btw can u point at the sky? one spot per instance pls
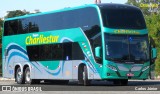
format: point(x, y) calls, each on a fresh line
point(45, 5)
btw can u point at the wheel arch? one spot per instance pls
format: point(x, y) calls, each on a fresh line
point(24, 68)
point(15, 69)
point(80, 67)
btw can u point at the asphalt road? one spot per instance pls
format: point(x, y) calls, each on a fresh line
point(96, 86)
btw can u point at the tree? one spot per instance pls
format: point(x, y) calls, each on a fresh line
point(16, 13)
point(153, 25)
point(1, 24)
point(147, 6)
point(152, 19)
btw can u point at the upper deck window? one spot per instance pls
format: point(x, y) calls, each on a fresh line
point(85, 18)
point(123, 17)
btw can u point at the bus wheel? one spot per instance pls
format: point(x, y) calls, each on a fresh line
point(28, 79)
point(19, 76)
point(86, 82)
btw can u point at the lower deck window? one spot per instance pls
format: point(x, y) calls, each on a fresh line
point(59, 51)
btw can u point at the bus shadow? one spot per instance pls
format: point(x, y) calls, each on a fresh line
point(105, 83)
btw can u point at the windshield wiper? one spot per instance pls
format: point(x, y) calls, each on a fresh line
point(114, 59)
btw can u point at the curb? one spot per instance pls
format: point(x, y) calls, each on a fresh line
point(6, 79)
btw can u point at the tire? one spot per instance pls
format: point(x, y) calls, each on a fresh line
point(86, 82)
point(80, 76)
point(19, 76)
point(28, 80)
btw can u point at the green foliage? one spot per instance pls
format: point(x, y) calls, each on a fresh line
point(1, 24)
point(147, 6)
point(16, 13)
point(153, 25)
point(133, 2)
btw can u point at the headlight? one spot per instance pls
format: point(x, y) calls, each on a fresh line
point(112, 67)
point(145, 68)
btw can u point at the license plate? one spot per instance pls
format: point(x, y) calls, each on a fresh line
point(130, 74)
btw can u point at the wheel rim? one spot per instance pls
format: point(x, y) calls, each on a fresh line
point(19, 75)
point(83, 76)
point(28, 76)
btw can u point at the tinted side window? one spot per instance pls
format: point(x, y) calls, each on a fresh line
point(24, 26)
point(89, 22)
point(33, 53)
point(28, 25)
point(77, 53)
point(11, 27)
point(57, 52)
point(14, 26)
point(60, 51)
point(7, 29)
point(85, 18)
point(45, 52)
point(67, 51)
point(48, 22)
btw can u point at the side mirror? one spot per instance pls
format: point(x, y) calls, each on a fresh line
point(98, 52)
point(154, 53)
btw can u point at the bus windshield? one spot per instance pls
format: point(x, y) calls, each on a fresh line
point(123, 18)
point(132, 48)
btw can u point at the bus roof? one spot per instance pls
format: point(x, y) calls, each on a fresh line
point(104, 5)
point(114, 6)
point(54, 11)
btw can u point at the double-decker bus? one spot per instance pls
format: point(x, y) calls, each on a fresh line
point(90, 42)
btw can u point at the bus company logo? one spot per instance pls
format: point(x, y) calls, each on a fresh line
point(149, 3)
point(126, 32)
point(6, 88)
point(41, 39)
point(24, 88)
point(154, 5)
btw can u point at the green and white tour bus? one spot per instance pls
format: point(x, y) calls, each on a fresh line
point(90, 42)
